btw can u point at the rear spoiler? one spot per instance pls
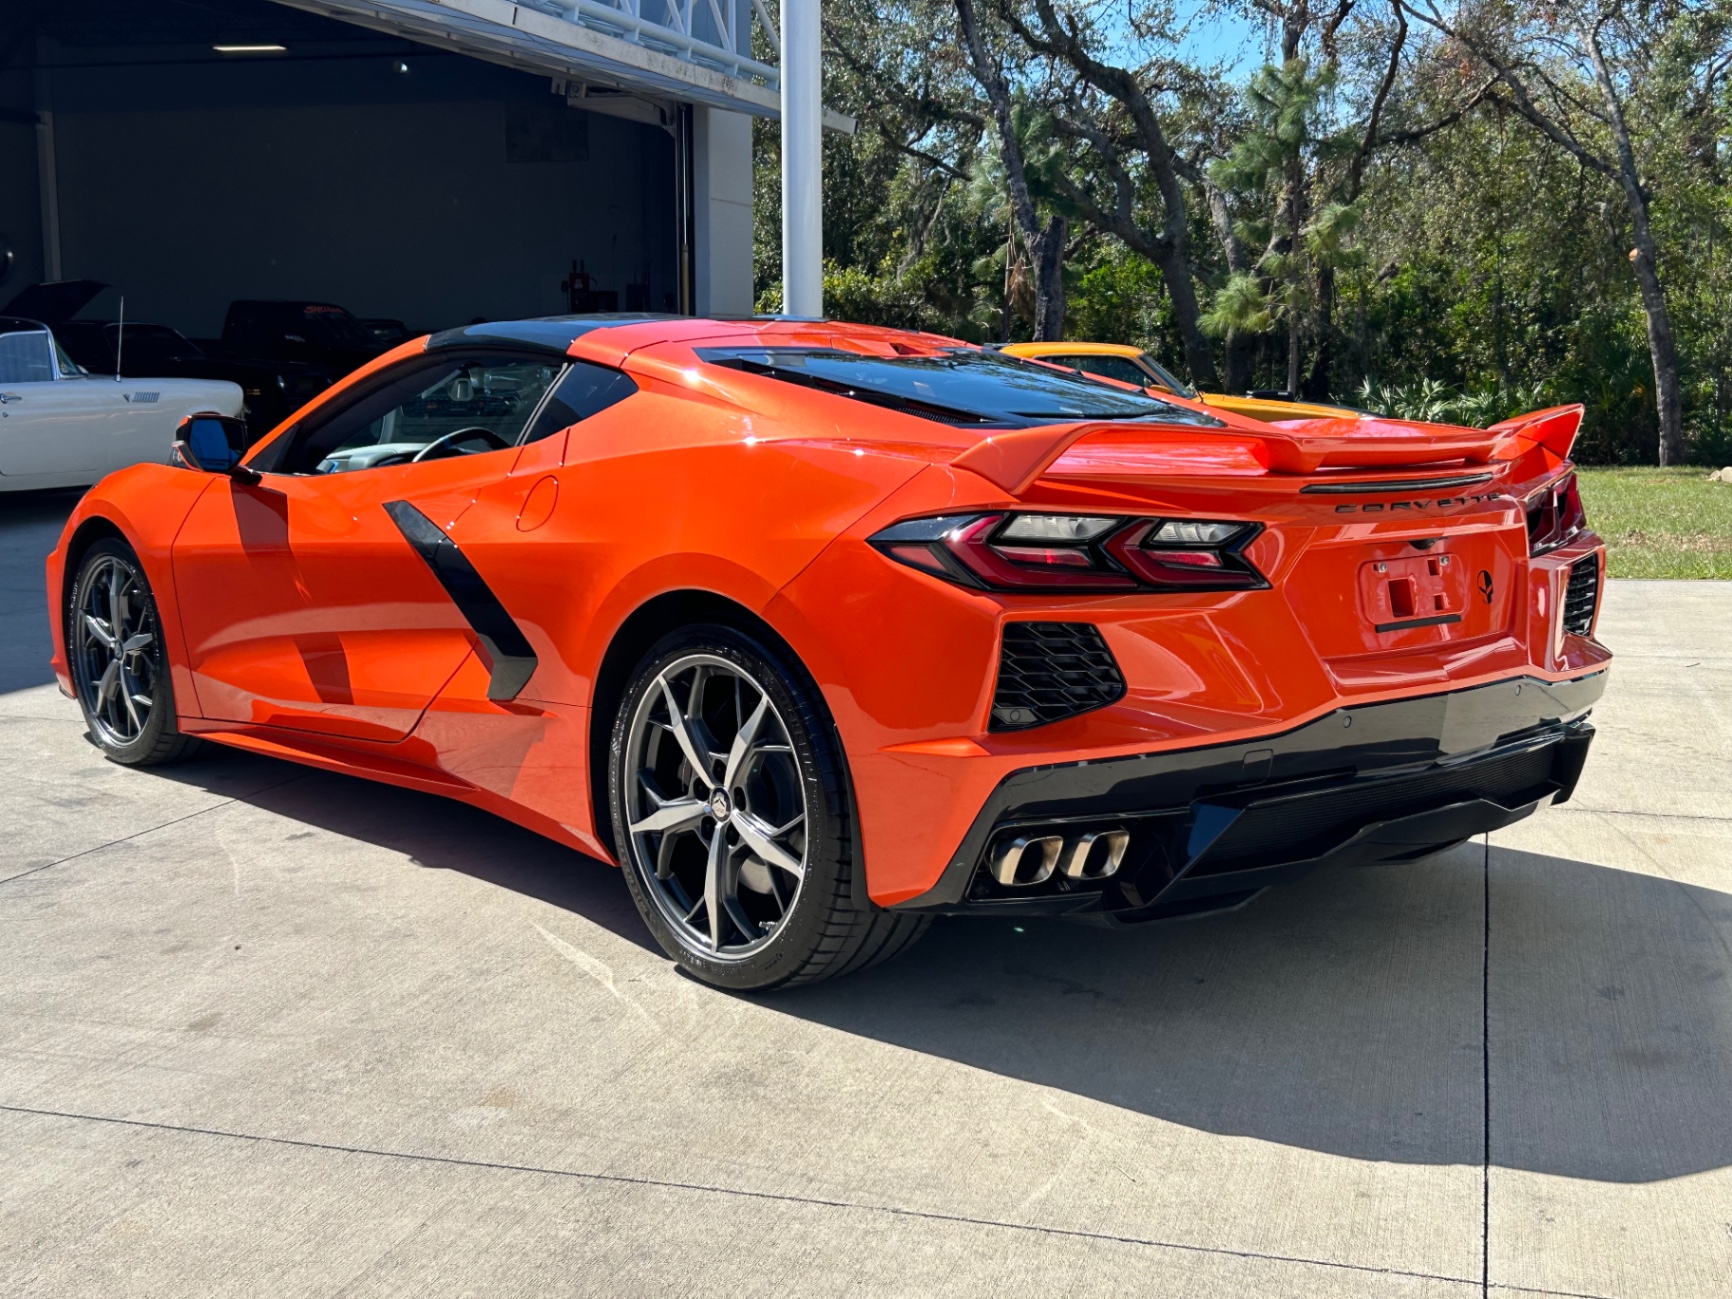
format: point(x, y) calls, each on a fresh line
point(1554, 428)
point(1015, 459)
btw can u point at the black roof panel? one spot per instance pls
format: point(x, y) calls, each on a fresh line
point(548, 333)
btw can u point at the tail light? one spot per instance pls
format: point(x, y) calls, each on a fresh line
point(1077, 553)
point(1555, 515)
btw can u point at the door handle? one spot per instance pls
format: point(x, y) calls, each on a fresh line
point(9, 396)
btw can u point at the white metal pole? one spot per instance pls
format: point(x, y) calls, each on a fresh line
point(802, 158)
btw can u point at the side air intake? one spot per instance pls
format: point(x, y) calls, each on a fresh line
point(1582, 596)
point(1052, 670)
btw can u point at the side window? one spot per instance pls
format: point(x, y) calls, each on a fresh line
point(26, 357)
point(458, 404)
point(585, 390)
point(1121, 368)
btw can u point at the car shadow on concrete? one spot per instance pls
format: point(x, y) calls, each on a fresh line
point(1345, 1014)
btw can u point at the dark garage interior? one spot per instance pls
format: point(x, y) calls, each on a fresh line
point(396, 180)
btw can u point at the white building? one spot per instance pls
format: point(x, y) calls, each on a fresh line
point(431, 161)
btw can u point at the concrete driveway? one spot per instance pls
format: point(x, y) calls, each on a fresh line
point(266, 1031)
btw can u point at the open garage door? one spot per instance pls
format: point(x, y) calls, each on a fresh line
point(193, 155)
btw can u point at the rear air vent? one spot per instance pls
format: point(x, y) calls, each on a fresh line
point(1052, 670)
point(1582, 596)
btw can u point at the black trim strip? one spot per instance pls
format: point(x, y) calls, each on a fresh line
point(1439, 621)
point(512, 657)
point(1368, 488)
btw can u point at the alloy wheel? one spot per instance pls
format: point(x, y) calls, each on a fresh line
point(113, 639)
point(715, 806)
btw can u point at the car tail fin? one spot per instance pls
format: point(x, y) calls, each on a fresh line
point(1014, 458)
point(1554, 429)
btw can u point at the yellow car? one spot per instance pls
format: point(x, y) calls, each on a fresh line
point(1133, 365)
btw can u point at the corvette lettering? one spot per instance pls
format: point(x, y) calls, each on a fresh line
point(1441, 503)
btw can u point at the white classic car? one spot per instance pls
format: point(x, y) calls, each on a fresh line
point(61, 427)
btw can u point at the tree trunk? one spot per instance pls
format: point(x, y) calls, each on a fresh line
point(1293, 356)
point(1296, 220)
point(1241, 349)
point(1241, 361)
point(1662, 347)
point(1045, 246)
point(1175, 265)
point(1049, 281)
point(1317, 386)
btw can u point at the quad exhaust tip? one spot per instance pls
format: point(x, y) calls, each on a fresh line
point(1028, 860)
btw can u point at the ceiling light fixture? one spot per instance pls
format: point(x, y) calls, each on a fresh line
point(251, 49)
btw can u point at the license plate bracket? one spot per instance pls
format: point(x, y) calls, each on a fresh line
point(1417, 591)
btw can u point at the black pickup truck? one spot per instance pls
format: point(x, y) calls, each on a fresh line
point(315, 333)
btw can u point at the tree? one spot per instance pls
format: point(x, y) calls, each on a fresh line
point(1045, 240)
point(1282, 157)
point(1109, 110)
point(1577, 72)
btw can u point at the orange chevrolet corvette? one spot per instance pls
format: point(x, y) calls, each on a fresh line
point(819, 630)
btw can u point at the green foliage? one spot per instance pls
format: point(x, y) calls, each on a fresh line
point(1119, 298)
point(1430, 401)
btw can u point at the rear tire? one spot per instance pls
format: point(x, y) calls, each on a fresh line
point(119, 665)
point(759, 828)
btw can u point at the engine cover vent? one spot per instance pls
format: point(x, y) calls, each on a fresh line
point(1051, 670)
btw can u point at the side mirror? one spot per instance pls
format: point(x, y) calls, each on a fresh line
point(214, 444)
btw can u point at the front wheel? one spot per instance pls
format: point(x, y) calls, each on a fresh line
point(733, 817)
point(119, 665)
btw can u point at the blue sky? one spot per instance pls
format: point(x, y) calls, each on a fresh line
point(1243, 44)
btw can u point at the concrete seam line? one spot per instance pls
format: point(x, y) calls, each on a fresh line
point(1485, 1070)
point(1658, 816)
point(139, 834)
point(781, 1197)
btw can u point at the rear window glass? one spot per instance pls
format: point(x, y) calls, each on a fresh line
point(26, 357)
point(958, 386)
point(1121, 368)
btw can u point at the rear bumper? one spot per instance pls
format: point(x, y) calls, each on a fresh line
point(1210, 826)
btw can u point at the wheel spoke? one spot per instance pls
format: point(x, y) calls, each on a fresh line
point(682, 734)
point(743, 740)
point(713, 869)
point(137, 642)
point(675, 814)
point(105, 686)
point(665, 857)
point(132, 710)
point(114, 611)
point(761, 839)
point(99, 629)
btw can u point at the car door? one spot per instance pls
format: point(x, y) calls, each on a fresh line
point(308, 599)
point(57, 426)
